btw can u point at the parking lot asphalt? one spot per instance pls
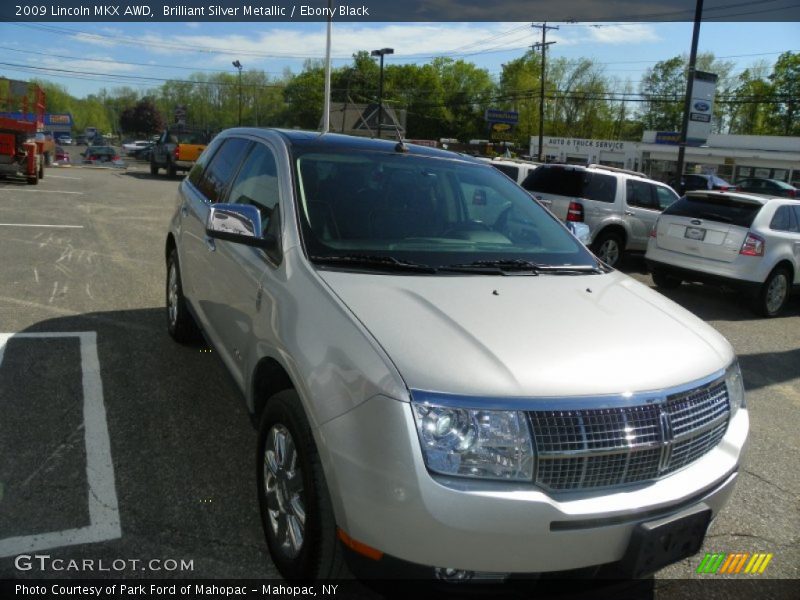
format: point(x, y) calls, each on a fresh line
point(145, 447)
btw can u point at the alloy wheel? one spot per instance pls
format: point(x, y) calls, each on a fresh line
point(283, 488)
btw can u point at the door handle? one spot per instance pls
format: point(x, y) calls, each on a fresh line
point(210, 244)
point(629, 213)
point(185, 209)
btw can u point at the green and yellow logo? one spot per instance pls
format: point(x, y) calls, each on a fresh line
point(721, 563)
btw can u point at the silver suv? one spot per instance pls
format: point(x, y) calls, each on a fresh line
point(408, 329)
point(619, 206)
point(745, 241)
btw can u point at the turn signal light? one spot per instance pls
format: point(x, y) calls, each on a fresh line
point(753, 245)
point(359, 547)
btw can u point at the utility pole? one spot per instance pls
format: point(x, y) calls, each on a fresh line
point(238, 65)
point(687, 103)
point(543, 45)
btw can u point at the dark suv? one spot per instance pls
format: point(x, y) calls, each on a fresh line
point(702, 182)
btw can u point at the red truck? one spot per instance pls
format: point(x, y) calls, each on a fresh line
point(24, 147)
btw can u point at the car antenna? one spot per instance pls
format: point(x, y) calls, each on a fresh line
point(401, 145)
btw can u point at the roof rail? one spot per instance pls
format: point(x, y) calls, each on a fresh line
point(517, 160)
point(617, 170)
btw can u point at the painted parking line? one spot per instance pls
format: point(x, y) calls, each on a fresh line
point(50, 176)
point(11, 189)
point(40, 225)
point(104, 521)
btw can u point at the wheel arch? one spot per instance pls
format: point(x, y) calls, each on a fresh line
point(784, 263)
point(269, 378)
point(617, 228)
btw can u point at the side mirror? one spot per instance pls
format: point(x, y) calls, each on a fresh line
point(241, 224)
point(580, 231)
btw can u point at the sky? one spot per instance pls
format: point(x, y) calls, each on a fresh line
point(85, 57)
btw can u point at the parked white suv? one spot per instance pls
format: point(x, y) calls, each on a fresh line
point(515, 168)
point(619, 206)
point(745, 241)
point(409, 330)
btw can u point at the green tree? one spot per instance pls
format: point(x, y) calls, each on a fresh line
point(785, 78)
point(142, 119)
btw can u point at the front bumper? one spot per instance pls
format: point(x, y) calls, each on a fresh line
point(384, 497)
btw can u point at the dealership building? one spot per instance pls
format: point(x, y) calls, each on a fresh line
point(732, 157)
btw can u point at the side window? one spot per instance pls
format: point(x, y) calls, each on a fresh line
point(512, 172)
point(639, 193)
point(665, 197)
point(602, 188)
point(784, 220)
point(257, 183)
point(199, 166)
point(222, 168)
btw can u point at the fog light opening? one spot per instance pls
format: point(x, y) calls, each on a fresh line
point(448, 574)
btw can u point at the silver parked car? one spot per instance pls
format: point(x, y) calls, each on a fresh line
point(408, 328)
point(619, 206)
point(746, 241)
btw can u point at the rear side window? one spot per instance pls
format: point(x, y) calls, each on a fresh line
point(784, 220)
point(222, 168)
point(722, 209)
point(572, 182)
point(512, 172)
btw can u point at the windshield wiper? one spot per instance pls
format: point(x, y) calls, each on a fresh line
point(388, 263)
point(505, 266)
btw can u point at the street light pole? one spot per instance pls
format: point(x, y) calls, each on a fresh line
point(238, 65)
point(382, 52)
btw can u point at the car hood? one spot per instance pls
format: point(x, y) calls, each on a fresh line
point(524, 336)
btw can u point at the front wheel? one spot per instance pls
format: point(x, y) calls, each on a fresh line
point(180, 323)
point(609, 247)
point(153, 167)
point(171, 170)
point(774, 293)
point(296, 509)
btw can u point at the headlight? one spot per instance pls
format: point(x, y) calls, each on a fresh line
point(487, 444)
point(735, 385)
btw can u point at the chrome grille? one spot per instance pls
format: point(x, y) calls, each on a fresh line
point(593, 448)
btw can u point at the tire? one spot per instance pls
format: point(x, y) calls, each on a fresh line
point(293, 495)
point(180, 322)
point(41, 169)
point(171, 170)
point(666, 282)
point(609, 248)
point(153, 167)
point(772, 296)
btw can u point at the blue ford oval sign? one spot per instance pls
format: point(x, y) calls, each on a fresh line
point(702, 106)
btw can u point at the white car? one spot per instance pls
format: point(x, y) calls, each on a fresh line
point(409, 330)
point(745, 241)
point(515, 168)
point(135, 146)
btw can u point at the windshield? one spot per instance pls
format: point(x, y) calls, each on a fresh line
point(424, 210)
